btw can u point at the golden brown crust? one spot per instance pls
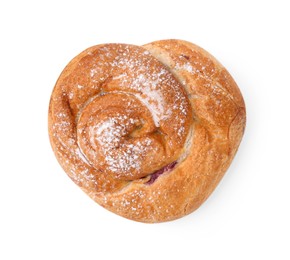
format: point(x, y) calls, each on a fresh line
point(119, 113)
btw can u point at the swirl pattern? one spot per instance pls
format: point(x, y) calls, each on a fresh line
point(121, 116)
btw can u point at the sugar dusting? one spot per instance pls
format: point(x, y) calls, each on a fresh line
point(146, 86)
point(108, 136)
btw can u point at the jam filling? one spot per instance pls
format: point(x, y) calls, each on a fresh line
point(154, 176)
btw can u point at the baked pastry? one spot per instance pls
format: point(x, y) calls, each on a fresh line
point(146, 131)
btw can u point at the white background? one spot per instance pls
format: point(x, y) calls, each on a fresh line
point(43, 215)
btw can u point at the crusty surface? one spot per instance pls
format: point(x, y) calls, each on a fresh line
point(119, 113)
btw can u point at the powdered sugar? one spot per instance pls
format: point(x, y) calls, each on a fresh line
point(108, 136)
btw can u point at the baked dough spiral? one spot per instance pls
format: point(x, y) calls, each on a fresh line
point(146, 131)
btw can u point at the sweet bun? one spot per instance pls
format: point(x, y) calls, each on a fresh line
point(146, 131)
